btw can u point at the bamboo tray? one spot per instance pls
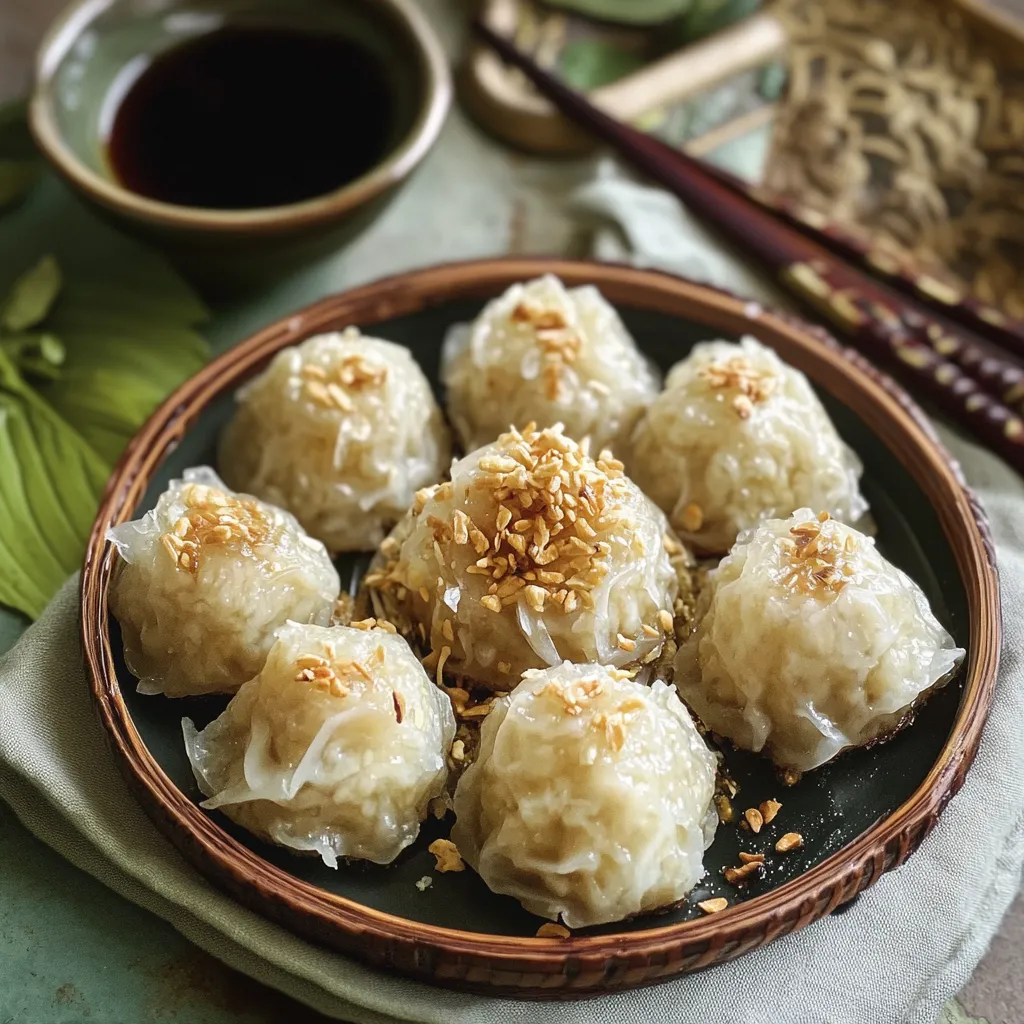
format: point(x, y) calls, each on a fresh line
point(861, 815)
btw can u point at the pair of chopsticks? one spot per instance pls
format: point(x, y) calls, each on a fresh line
point(836, 274)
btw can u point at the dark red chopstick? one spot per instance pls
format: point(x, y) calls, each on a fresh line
point(1002, 378)
point(885, 327)
point(900, 273)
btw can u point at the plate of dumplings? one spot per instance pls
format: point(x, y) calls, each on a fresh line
point(541, 628)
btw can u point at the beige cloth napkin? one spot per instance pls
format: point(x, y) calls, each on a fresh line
point(894, 957)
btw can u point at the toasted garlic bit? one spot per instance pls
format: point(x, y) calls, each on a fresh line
point(769, 809)
point(754, 819)
point(818, 560)
point(445, 654)
point(751, 858)
point(213, 517)
point(725, 810)
point(713, 906)
point(790, 841)
point(343, 610)
point(368, 624)
point(459, 698)
point(736, 374)
point(447, 856)
point(552, 501)
point(692, 517)
point(558, 342)
point(477, 711)
point(332, 390)
point(613, 724)
point(737, 876)
point(331, 676)
point(743, 406)
point(553, 931)
point(572, 695)
point(575, 694)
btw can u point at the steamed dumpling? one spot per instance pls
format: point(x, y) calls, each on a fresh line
point(205, 579)
point(342, 431)
point(543, 354)
point(738, 436)
point(532, 554)
point(338, 746)
point(591, 797)
point(810, 642)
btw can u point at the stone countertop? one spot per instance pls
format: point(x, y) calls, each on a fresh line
point(71, 950)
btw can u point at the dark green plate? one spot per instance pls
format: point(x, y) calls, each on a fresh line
point(925, 526)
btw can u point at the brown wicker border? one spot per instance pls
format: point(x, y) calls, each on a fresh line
point(580, 966)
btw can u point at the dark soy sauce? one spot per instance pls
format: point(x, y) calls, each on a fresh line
point(253, 117)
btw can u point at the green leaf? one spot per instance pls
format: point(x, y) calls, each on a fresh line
point(32, 296)
point(635, 12)
point(39, 355)
point(126, 348)
point(52, 481)
point(16, 180)
point(51, 349)
point(106, 355)
point(590, 63)
point(954, 1013)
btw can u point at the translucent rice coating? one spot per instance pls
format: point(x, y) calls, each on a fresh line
point(543, 354)
point(810, 642)
point(590, 798)
point(336, 747)
point(205, 579)
point(342, 431)
point(533, 554)
point(738, 436)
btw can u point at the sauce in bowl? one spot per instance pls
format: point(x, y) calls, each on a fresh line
point(251, 117)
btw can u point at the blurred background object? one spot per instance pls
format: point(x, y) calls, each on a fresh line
point(906, 120)
point(22, 23)
point(694, 72)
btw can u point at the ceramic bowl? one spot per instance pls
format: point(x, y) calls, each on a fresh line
point(95, 49)
point(861, 815)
